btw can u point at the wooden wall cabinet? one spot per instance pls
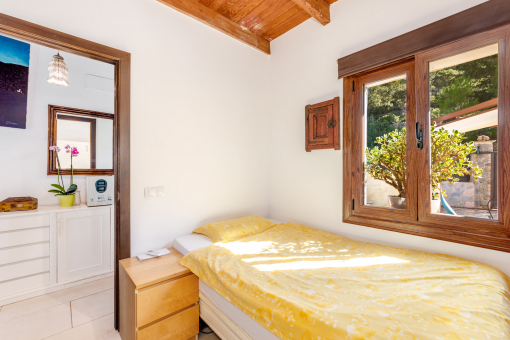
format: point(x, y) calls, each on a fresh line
point(322, 125)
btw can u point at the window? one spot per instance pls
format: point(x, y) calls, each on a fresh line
point(426, 143)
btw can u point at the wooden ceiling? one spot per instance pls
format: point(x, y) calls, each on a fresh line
point(254, 22)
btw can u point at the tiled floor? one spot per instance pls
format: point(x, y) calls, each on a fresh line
point(83, 312)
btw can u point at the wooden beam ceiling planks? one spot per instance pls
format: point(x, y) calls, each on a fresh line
point(318, 9)
point(254, 22)
point(212, 18)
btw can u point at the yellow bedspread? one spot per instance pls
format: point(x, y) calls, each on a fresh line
point(302, 283)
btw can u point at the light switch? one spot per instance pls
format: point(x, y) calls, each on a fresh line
point(160, 191)
point(155, 192)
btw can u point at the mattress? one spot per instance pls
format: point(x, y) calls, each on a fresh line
point(256, 331)
point(185, 244)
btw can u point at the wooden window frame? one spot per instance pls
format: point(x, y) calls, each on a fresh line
point(357, 146)
point(476, 232)
point(78, 115)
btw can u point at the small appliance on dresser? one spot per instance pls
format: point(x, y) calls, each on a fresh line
point(100, 190)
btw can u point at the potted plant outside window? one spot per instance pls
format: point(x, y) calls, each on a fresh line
point(449, 156)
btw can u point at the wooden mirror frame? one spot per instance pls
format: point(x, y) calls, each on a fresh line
point(53, 111)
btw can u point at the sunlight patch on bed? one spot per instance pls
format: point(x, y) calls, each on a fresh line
point(359, 262)
point(249, 248)
point(257, 259)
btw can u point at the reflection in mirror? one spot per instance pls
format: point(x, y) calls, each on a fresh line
point(90, 132)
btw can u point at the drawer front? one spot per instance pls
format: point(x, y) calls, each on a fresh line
point(24, 253)
point(181, 326)
point(24, 222)
point(21, 237)
point(168, 298)
point(24, 284)
point(17, 270)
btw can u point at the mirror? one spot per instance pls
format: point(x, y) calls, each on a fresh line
point(90, 132)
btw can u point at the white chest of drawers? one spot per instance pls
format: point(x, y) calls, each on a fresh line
point(46, 249)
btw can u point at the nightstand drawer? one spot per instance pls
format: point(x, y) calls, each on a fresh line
point(156, 303)
point(181, 326)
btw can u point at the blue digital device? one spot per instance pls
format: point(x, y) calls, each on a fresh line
point(101, 186)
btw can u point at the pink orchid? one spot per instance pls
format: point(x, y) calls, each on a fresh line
point(68, 148)
point(74, 152)
point(54, 148)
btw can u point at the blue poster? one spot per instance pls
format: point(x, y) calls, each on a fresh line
point(14, 64)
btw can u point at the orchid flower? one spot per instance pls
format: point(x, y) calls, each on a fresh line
point(73, 187)
point(74, 152)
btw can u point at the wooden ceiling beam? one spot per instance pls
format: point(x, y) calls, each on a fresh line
point(318, 9)
point(215, 20)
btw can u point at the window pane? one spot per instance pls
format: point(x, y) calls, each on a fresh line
point(464, 133)
point(385, 143)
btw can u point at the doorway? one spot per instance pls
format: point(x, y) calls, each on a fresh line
point(32, 33)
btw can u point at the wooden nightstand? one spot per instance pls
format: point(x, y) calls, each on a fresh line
point(158, 299)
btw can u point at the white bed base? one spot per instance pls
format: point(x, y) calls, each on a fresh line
point(219, 322)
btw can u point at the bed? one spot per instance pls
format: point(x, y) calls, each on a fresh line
point(295, 282)
point(227, 321)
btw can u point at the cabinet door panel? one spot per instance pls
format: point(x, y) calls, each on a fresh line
point(84, 244)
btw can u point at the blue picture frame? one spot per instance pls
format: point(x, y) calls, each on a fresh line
point(14, 68)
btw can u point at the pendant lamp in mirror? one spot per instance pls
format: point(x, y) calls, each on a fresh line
point(58, 71)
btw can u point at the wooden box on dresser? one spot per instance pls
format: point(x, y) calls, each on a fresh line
point(158, 299)
point(52, 248)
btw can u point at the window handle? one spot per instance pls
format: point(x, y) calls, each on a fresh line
point(419, 136)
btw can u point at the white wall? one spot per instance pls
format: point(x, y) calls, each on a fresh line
point(199, 122)
point(307, 187)
point(24, 152)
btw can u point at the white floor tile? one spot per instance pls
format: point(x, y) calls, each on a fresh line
point(92, 307)
point(100, 329)
point(38, 325)
point(9, 312)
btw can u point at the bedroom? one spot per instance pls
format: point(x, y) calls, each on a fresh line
point(220, 125)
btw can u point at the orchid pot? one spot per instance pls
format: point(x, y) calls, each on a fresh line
point(66, 200)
